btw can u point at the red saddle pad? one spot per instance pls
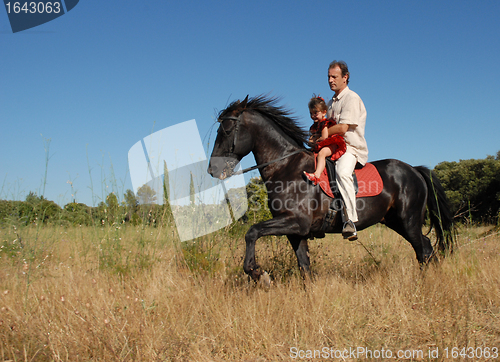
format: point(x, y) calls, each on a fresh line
point(369, 182)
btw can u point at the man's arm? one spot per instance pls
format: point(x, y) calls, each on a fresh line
point(338, 129)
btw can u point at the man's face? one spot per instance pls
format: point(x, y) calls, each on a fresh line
point(336, 81)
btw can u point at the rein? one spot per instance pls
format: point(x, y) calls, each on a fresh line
point(268, 163)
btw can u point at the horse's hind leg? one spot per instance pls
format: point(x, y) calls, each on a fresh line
point(411, 230)
point(421, 244)
point(301, 248)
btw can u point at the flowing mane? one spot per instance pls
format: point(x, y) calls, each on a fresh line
point(268, 108)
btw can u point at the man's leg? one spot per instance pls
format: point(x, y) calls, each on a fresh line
point(345, 167)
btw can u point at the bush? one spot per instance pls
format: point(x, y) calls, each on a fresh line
point(258, 209)
point(77, 214)
point(472, 187)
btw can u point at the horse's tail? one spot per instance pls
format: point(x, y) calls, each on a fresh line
point(440, 215)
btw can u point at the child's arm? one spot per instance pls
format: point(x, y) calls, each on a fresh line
point(324, 134)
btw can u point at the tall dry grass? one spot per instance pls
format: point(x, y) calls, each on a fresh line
point(136, 294)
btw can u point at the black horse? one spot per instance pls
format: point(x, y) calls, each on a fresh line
point(260, 126)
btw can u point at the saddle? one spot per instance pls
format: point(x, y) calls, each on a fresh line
point(366, 178)
point(367, 183)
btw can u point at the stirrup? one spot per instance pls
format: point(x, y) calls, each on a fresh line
point(349, 231)
point(311, 177)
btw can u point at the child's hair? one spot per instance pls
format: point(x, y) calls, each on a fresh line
point(317, 104)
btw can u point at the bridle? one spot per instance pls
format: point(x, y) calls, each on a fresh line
point(234, 132)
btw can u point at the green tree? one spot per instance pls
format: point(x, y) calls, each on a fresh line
point(9, 211)
point(33, 199)
point(132, 208)
point(168, 216)
point(258, 209)
point(131, 202)
point(100, 213)
point(237, 201)
point(166, 183)
point(192, 193)
point(38, 209)
point(77, 214)
point(146, 195)
point(112, 201)
point(113, 208)
point(473, 187)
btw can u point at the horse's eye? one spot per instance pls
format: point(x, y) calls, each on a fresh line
point(226, 125)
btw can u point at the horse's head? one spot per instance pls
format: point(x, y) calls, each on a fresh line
point(253, 125)
point(233, 141)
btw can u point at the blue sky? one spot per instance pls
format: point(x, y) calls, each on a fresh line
point(92, 83)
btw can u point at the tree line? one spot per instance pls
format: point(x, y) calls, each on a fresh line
point(472, 187)
point(134, 209)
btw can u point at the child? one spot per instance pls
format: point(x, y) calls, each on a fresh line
point(333, 146)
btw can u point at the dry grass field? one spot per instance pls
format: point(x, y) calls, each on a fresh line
point(136, 294)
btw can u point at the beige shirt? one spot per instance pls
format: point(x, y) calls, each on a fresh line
point(348, 108)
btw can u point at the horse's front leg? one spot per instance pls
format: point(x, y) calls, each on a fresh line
point(301, 248)
point(280, 225)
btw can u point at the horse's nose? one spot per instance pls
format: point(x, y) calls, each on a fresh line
point(211, 169)
point(216, 166)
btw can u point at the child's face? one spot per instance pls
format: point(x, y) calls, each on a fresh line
point(317, 115)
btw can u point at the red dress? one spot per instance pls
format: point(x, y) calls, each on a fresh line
point(335, 142)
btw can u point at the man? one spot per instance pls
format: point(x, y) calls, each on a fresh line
point(348, 110)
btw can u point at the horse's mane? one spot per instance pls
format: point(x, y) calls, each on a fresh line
point(268, 108)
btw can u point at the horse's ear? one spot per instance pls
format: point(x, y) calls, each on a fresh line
point(244, 103)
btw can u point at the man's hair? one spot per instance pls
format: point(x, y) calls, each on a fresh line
point(343, 68)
